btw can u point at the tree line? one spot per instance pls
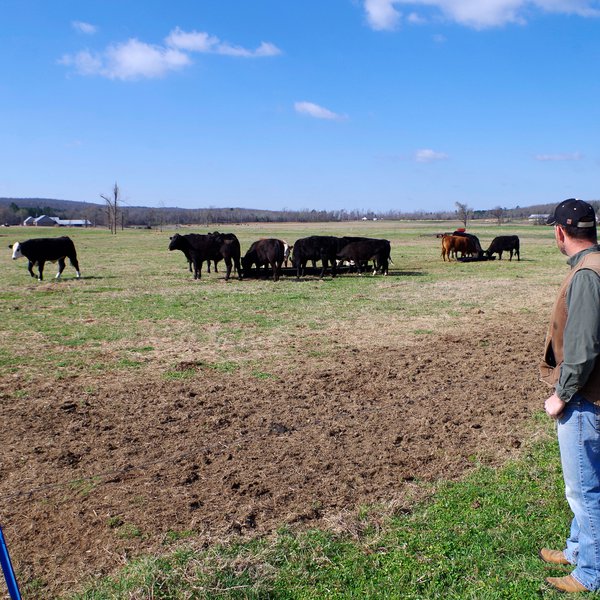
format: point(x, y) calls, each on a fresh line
point(116, 215)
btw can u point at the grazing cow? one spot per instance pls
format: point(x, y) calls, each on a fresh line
point(473, 238)
point(504, 243)
point(215, 246)
point(315, 247)
point(41, 250)
point(347, 239)
point(453, 244)
point(269, 251)
point(362, 251)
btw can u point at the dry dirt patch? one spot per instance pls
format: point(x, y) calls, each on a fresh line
point(231, 454)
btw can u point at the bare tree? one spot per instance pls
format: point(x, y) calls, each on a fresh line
point(112, 208)
point(498, 213)
point(463, 212)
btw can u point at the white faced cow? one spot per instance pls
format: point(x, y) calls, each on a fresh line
point(41, 250)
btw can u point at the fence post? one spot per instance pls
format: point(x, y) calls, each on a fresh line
point(9, 574)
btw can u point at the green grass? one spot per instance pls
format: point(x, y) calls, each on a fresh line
point(477, 538)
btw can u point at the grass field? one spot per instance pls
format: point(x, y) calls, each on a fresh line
point(133, 289)
point(138, 316)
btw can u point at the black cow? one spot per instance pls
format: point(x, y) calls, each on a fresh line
point(41, 250)
point(269, 251)
point(315, 247)
point(473, 238)
point(504, 243)
point(362, 251)
point(344, 241)
point(199, 248)
point(195, 239)
point(230, 250)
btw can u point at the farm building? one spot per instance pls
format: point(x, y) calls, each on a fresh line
point(538, 218)
point(73, 223)
point(43, 221)
point(46, 221)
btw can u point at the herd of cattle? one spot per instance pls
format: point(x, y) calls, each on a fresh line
point(273, 253)
point(355, 253)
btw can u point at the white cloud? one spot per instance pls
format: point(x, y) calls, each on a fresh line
point(382, 14)
point(265, 49)
point(193, 41)
point(558, 157)
point(316, 111)
point(84, 62)
point(427, 155)
point(200, 41)
point(415, 19)
point(128, 61)
point(134, 59)
point(83, 27)
point(479, 14)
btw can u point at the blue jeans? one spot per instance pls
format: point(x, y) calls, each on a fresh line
point(579, 440)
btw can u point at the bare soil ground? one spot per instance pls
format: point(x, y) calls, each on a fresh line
point(97, 470)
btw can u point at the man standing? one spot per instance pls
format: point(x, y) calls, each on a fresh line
point(570, 366)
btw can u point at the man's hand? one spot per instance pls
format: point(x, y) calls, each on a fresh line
point(554, 406)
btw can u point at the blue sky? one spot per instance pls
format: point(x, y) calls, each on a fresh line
point(356, 104)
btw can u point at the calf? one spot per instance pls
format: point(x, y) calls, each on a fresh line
point(504, 243)
point(41, 250)
point(315, 247)
point(362, 251)
point(453, 244)
point(266, 251)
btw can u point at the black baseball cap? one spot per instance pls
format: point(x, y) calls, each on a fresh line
point(573, 212)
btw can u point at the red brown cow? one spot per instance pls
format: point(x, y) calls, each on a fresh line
point(453, 244)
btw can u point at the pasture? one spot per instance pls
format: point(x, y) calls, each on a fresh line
point(140, 406)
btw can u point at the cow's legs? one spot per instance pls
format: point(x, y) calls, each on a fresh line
point(30, 266)
point(197, 268)
point(75, 264)
point(228, 263)
point(324, 265)
point(61, 267)
point(41, 269)
point(384, 265)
